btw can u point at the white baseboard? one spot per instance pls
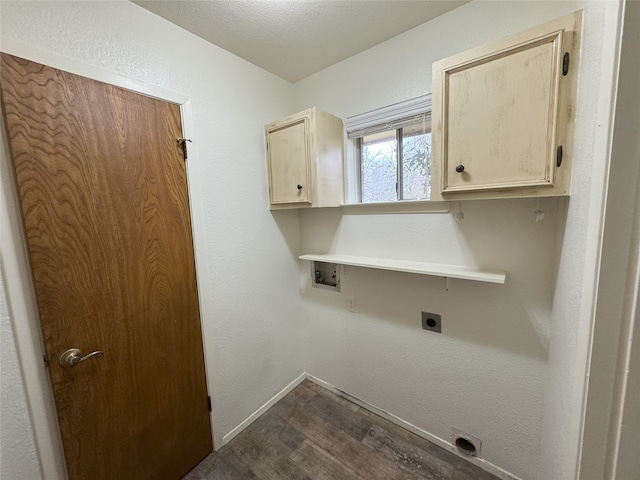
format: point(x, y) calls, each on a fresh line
point(270, 403)
point(483, 464)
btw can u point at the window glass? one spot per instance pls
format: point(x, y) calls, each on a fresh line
point(379, 166)
point(395, 164)
point(416, 163)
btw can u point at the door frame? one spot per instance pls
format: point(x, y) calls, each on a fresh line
point(15, 265)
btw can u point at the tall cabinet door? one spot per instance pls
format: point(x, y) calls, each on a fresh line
point(289, 162)
point(502, 113)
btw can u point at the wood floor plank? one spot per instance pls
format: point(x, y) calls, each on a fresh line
point(407, 455)
point(451, 466)
point(204, 468)
point(339, 416)
point(397, 430)
point(373, 466)
point(271, 425)
point(468, 471)
point(320, 432)
point(313, 386)
point(328, 393)
point(294, 399)
point(313, 434)
point(227, 466)
point(320, 465)
point(411, 438)
point(266, 457)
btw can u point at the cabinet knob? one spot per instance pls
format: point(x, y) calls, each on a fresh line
point(299, 187)
point(460, 168)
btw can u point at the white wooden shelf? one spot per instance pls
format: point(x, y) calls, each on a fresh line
point(423, 268)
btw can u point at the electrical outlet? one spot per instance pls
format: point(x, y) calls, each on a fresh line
point(352, 304)
point(432, 321)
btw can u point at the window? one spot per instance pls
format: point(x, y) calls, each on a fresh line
point(395, 164)
point(392, 153)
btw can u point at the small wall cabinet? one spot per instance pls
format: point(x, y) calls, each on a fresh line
point(503, 115)
point(305, 160)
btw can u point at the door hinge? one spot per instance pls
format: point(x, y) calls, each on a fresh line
point(183, 142)
point(565, 64)
point(559, 156)
point(209, 403)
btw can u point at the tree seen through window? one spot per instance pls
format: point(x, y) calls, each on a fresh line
point(395, 164)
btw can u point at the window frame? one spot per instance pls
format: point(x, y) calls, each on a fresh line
point(391, 117)
point(399, 160)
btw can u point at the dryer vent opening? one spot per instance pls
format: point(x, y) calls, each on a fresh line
point(466, 446)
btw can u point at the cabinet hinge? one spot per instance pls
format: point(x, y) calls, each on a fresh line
point(565, 64)
point(559, 156)
point(46, 361)
point(209, 403)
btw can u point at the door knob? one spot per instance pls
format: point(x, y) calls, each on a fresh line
point(460, 168)
point(73, 356)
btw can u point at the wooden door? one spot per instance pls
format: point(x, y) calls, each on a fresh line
point(103, 193)
point(289, 163)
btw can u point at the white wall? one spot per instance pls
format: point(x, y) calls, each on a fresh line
point(612, 422)
point(509, 365)
point(250, 321)
point(628, 460)
point(18, 457)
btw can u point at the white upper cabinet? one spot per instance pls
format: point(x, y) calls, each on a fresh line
point(503, 115)
point(305, 160)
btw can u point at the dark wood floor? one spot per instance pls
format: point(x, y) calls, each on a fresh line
point(313, 434)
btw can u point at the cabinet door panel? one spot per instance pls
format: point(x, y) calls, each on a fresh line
point(289, 163)
point(498, 120)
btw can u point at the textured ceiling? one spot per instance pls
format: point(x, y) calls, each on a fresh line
point(296, 38)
